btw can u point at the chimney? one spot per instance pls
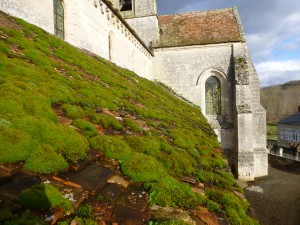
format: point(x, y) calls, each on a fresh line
point(298, 108)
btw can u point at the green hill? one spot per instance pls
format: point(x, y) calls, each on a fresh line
point(280, 101)
point(58, 103)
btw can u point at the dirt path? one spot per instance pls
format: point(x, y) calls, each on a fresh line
point(276, 198)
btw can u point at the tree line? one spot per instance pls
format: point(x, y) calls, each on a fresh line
point(280, 101)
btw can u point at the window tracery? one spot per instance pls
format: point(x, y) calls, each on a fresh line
point(213, 96)
point(59, 19)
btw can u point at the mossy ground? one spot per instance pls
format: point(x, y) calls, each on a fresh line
point(156, 137)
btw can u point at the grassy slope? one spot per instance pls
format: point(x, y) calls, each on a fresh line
point(41, 75)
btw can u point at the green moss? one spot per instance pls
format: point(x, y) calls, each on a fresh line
point(170, 192)
point(146, 145)
point(142, 168)
point(43, 196)
point(52, 73)
point(133, 125)
point(7, 218)
point(15, 145)
point(84, 211)
point(113, 146)
point(170, 222)
point(45, 160)
point(4, 48)
point(73, 111)
point(105, 121)
point(88, 128)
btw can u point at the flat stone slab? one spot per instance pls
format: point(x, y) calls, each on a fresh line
point(111, 192)
point(128, 216)
point(19, 183)
point(5, 177)
point(92, 178)
point(134, 197)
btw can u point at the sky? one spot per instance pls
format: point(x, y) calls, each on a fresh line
point(272, 29)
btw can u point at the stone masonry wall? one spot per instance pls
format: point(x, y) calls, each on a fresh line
point(39, 13)
point(186, 69)
point(145, 8)
point(251, 153)
point(241, 127)
point(147, 27)
point(91, 25)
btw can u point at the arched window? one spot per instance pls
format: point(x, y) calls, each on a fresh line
point(213, 96)
point(126, 5)
point(59, 19)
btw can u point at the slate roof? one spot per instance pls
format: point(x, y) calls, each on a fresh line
point(291, 120)
point(199, 28)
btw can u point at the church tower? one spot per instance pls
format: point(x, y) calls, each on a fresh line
point(141, 16)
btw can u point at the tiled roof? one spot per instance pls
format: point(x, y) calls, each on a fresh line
point(199, 28)
point(291, 120)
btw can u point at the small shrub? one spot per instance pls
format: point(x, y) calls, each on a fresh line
point(43, 196)
point(133, 125)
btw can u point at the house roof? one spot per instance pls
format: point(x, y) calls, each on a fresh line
point(200, 28)
point(291, 120)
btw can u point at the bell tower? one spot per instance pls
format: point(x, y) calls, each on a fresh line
point(141, 16)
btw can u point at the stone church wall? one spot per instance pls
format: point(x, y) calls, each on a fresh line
point(90, 25)
point(185, 69)
point(241, 126)
point(39, 13)
point(147, 27)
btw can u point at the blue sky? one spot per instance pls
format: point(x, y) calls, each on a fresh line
point(272, 29)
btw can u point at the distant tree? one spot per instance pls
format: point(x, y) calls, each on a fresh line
point(280, 101)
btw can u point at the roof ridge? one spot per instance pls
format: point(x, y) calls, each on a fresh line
point(198, 11)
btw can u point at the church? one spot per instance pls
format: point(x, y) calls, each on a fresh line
point(201, 55)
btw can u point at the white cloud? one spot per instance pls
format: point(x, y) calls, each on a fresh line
point(271, 27)
point(277, 72)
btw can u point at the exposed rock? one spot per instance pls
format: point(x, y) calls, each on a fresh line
point(198, 190)
point(255, 189)
point(128, 216)
point(189, 179)
point(159, 213)
point(206, 216)
point(119, 180)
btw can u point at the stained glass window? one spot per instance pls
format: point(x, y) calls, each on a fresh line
point(59, 19)
point(213, 96)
